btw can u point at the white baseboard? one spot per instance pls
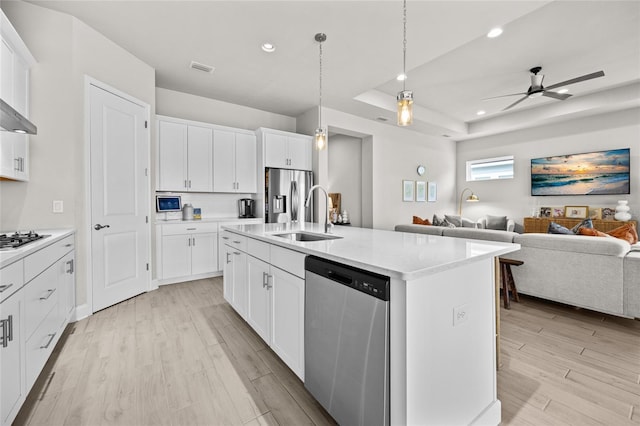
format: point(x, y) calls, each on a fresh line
point(81, 312)
point(188, 278)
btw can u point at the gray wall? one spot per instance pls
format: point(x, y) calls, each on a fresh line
point(512, 197)
point(345, 174)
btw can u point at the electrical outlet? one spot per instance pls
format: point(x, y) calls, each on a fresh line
point(58, 206)
point(460, 314)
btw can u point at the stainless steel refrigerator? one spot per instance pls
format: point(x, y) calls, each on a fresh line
point(285, 194)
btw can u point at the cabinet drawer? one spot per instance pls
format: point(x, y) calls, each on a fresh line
point(43, 258)
point(40, 345)
point(189, 228)
point(40, 296)
point(288, 260)
point(258, 249)
point(11, 279)
point(234, 240)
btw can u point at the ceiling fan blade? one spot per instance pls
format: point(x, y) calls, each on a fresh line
point(556, 95)
point(504, 96)
point(515, 103)
point(577, 79)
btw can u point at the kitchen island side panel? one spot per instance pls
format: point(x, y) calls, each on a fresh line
point(450, 347)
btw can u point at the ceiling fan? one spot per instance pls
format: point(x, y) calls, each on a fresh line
point(537, 89)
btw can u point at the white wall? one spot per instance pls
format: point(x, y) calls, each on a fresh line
point(512, 197)
point(66, 50)
point(345, 174)
point(396, 153)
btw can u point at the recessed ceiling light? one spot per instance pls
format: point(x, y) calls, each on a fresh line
point(481, 112)
point(495, 32)
point(564, 90)
point(401, 77)
point(268, 47)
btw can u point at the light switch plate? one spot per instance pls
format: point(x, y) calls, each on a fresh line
point(58, 206)
point(460, 314)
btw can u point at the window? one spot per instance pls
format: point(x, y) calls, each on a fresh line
point(490, 169)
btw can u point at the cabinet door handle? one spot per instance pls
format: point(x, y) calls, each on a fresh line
point(49, 293)
point(236, 242)
point(4, 340)
point(4, 287)
point(225, 238)
point(265, 279)
point(194, 241)
point(51, 337)
point(68, 245)
point(70, 263)
point(10, 328)
point(189, 183)
point(185, 183)
point(228, 257)
point(237, 253)
point(189, 242)
point(16, 167)
point(269, 286)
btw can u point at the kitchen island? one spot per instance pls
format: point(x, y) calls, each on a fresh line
point(442, 353)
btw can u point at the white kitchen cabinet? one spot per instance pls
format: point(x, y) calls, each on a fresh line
point(187, 251)
point(259, 297)
point(15, 61)
point(11, 347)
point(287, 319)
point(66, 287)
point(185, 157)
point(274, 289)
point(286, 150)
point(234, 161)
point(235, 278)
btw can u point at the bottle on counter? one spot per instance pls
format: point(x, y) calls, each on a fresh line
point(345, 216)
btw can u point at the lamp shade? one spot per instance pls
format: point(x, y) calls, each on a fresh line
point(405, 108)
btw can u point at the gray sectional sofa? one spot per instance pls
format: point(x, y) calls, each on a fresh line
point(597, 273)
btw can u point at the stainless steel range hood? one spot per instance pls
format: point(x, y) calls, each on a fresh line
point(12, 121)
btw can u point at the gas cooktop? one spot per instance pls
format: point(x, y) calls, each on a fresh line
point(18, 239)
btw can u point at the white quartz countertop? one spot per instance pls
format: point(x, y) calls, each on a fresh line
point(210, 220)
point(401, 255)
point(10, 256)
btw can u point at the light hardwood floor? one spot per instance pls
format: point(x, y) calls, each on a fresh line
point(181, 356)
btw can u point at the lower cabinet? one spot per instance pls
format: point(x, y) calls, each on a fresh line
point(40, 303)
point(11, 357)
point(271, 299)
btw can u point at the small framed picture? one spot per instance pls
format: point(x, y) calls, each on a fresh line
point(545, 211)
point(576, 212)
point(608, 213)
point(595, 213)
point(557, 212)
point(432, 192)
point(421, 190)
point(407, 190)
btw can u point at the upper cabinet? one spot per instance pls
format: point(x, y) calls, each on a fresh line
point(286, 150)
point(185, 157)
point(234, 161)
point(202, 157)
point(15, 61)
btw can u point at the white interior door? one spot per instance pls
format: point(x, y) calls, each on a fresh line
point(119, 198)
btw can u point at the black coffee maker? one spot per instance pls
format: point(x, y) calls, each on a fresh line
point(246, 208)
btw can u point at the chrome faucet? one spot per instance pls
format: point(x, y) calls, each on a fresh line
point(326, 205)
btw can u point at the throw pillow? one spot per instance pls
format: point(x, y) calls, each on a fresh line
point(439, 221)
point(497, 222)
point(625, 232)
point(419, 221)
point(587, 223)
point(554, 228)
point(454, 220)
point(591, 232)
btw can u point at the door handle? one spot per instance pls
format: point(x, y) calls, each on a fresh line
point(99, 227)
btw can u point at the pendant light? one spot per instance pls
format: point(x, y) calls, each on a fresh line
point(405, 97)
point(321, 134)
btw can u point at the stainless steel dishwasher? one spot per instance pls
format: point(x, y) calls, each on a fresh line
point(346, 341)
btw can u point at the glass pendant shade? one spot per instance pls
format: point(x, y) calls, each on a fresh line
point(405, 108)
point(321, 139)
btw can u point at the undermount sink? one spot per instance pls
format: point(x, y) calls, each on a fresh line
point(306, 236)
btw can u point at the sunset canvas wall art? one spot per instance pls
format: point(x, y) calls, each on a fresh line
point(593, 173)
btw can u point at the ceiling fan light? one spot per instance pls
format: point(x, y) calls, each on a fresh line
point(405, 108)
point(401, 77)
point(535, 94)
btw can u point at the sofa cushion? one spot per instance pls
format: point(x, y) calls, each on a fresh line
point(625, 232)
point(574, 243)
point(459, 221)
point(497, 222)
point(480, 234)
point(554, 228)
point(420, 229)
point(419, 221)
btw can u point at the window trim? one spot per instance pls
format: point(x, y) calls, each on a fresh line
point(505, 159)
